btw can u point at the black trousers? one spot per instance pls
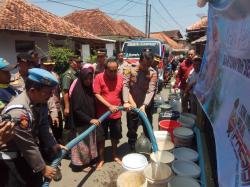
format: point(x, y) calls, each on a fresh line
point(133, 122)
point(57, 131)
point(17, 173)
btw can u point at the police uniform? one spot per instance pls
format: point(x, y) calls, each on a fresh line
point(21, 161)
point(54, 102)
point(99, 68)
point(17, 81)
point(141, 85)
point(7, 92)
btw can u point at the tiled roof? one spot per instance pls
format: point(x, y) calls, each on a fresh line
point(201, 24)
point(131, 30)
point(19, 15)
point(173, 34)
point(99, 23)
point(166, 39)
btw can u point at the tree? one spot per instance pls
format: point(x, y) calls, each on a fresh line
point(61, 55)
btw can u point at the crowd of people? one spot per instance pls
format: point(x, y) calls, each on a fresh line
point(36, 101)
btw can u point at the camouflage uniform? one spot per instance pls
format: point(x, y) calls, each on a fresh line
point(67, 78)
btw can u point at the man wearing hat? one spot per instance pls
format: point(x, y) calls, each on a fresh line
point(155, 66)
point(24, 63)
point(54, 102)
point(138, 90)
point(67, 78)
point(100, 61)
point(7, 92)
point(21, 162)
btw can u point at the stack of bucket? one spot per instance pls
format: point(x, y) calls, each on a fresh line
point(182, 135)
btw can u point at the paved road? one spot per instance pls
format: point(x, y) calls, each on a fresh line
point(107, 176)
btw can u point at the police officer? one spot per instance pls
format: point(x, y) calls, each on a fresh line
point(24, 63)
point(67, 78)
point(100, 61)
point(21, 162)
point(7, 92)
point(139, 88)
point(54, 102)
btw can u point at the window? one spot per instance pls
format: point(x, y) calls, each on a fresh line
point(24, 46)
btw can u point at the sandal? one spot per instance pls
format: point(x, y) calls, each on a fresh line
point(87, 169)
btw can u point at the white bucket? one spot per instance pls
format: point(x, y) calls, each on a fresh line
point(134, 162)
point(186, 168)
point(183, 137)
point(165, 145)
point(157, 175)
point(179, 181)
point(130, 179)
point(184, 153)
point(162, 135)
point(163, 157)
point(187, 122)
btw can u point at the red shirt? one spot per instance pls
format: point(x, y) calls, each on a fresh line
point(183, 73)
point(111, 91)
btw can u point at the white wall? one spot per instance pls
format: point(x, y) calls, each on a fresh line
point(110, 49)
point(8, 49)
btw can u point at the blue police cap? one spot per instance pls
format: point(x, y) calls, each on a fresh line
point(5, 65)
point(42, 76)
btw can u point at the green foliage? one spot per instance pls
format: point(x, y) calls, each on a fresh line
point(92, 59)
point(61, 55)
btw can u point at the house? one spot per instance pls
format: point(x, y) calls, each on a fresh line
point(174, 34)
point(196, 35)
point(24, 27)
point(102, 25)
point(174, 46)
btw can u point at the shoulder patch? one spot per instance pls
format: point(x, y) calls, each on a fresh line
point(24, 122)
point(126, 71)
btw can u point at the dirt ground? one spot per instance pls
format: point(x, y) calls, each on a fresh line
point(107, 176)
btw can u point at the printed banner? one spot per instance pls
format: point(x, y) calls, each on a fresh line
point(223, 88)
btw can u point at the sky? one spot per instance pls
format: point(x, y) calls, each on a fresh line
point(174, 14)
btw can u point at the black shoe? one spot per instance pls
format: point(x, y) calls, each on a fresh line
point(58, 175)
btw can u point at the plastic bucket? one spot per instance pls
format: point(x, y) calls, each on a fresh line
point(169, 125)
point(183, 153)
point(162, 135)
point(134, 162)
point(179, 181)
point(183, 137)
point(189, 115)
point(157, 174)
point(187, 122)
point(186, 168)
point(172, 114)
point(130, 178)
point(164, 157)
point(165, 145)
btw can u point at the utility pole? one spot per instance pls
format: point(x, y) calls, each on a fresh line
point(146, 24)
point(149, 21)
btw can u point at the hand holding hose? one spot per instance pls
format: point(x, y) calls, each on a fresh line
point(95, 122)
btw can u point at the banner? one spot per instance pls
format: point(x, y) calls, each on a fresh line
point(223, 88)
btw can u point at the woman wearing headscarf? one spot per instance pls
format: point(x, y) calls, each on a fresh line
point(82, 102)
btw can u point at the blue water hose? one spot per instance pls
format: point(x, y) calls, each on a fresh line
point(79, 138)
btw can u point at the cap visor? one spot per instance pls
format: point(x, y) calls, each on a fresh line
point(10, 67)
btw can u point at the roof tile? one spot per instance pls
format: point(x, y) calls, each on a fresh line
point(22, 16)
point(99, 23)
